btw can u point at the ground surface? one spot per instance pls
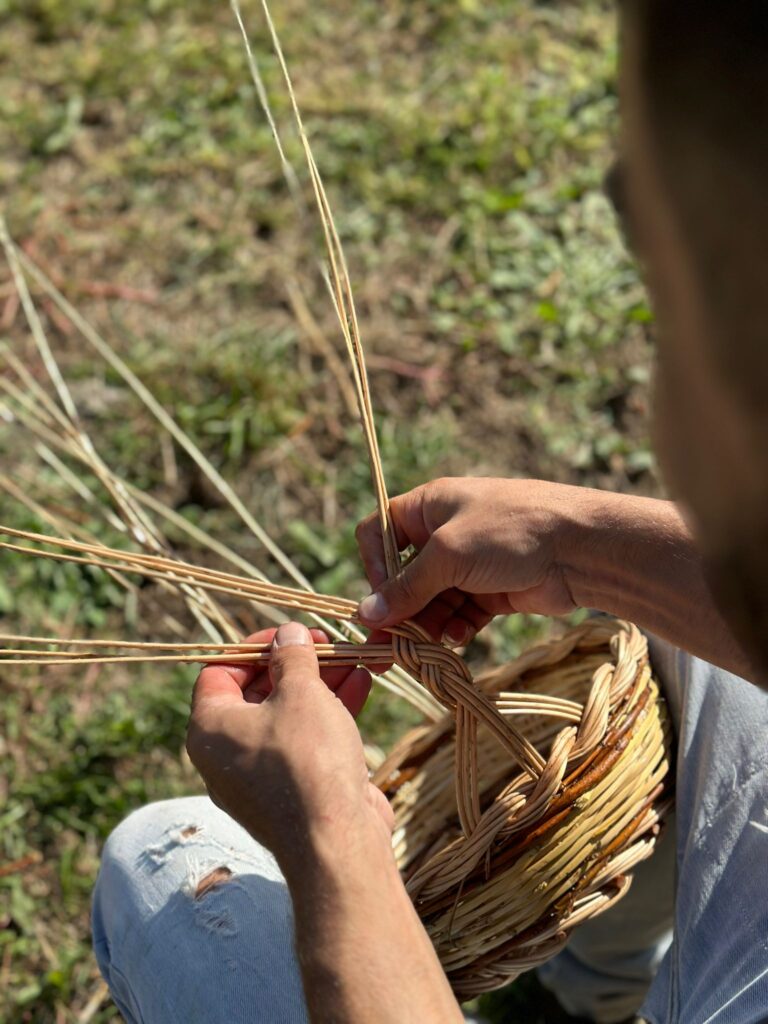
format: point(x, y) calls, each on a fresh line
point(464, 146)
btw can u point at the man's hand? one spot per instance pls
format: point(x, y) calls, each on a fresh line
point(492, 547)
point(485, 547)
point(279, 750)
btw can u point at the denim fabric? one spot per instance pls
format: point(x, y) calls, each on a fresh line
point(176, 952)
point(605, 970)
point(714, 960)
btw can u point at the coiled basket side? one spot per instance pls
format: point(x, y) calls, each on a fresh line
point(546, 853)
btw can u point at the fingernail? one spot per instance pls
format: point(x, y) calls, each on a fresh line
point(455, 635)
point(373, 608)
point(292, 634)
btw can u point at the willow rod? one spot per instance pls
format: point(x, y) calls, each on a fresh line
point(156, 567)
point(371, 653)
point(329, 655)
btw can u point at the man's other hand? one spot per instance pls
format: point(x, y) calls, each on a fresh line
point(485, 547)
point(279, 750)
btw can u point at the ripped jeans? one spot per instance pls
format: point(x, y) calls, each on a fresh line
point(192, 921)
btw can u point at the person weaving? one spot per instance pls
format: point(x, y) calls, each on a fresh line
point(298, 912)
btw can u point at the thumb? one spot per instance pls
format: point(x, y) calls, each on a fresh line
point(293, 661)
point(411, 590)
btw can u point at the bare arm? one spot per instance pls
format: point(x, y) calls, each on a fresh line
point(363, 952)
point(280, 752)
point(492, 547)
point(635, 558)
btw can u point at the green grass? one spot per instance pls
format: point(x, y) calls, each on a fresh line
point(463, 146)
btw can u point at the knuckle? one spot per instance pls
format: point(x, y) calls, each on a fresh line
point(444, 485)
point(295, 664)
point(441, 499)
point(366, 525)
point(295, 654)
point(405, 583)
point(443, 543)
point(433, 489)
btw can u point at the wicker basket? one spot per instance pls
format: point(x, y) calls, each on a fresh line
point(549, 848)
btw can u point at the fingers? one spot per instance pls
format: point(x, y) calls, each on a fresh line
point(353, 692)
point(371, 545)
point(465, 622)
point(420, 581)
point(247, 675)
point(222, 684)
point(253, 683)
point(217, 685)
point(380, 636)
point(332, 677)
point(293, 662)
point(407, 512)
point(453, 617)
point(293, 665)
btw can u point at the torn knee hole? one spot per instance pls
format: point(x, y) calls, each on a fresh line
point(211, 880)
point(189, 831)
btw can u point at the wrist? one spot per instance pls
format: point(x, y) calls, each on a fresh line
point(363, 952)
point(614, 541)
point(580, 537)
point(335, 852)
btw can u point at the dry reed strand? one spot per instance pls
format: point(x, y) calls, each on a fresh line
point(39, 416)
point(557, 761)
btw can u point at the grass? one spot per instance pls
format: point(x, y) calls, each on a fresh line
point(463, 146)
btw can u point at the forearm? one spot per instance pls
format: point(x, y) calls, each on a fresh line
point(635, 558)
point(363, 952)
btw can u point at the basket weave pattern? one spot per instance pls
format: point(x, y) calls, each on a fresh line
point(502, 864)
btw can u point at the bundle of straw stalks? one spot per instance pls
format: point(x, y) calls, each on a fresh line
point(528, 793)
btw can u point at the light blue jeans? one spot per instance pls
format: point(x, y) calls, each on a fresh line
point(192, 920)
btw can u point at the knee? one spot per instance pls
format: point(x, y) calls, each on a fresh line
point(129, 879)
point(145, 827)
point(145, 841)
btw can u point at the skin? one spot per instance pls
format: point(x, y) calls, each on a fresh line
point(494, 547)
point(695, 202)
point(281, 753)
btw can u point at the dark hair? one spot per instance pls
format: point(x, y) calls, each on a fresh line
point(704, 73)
